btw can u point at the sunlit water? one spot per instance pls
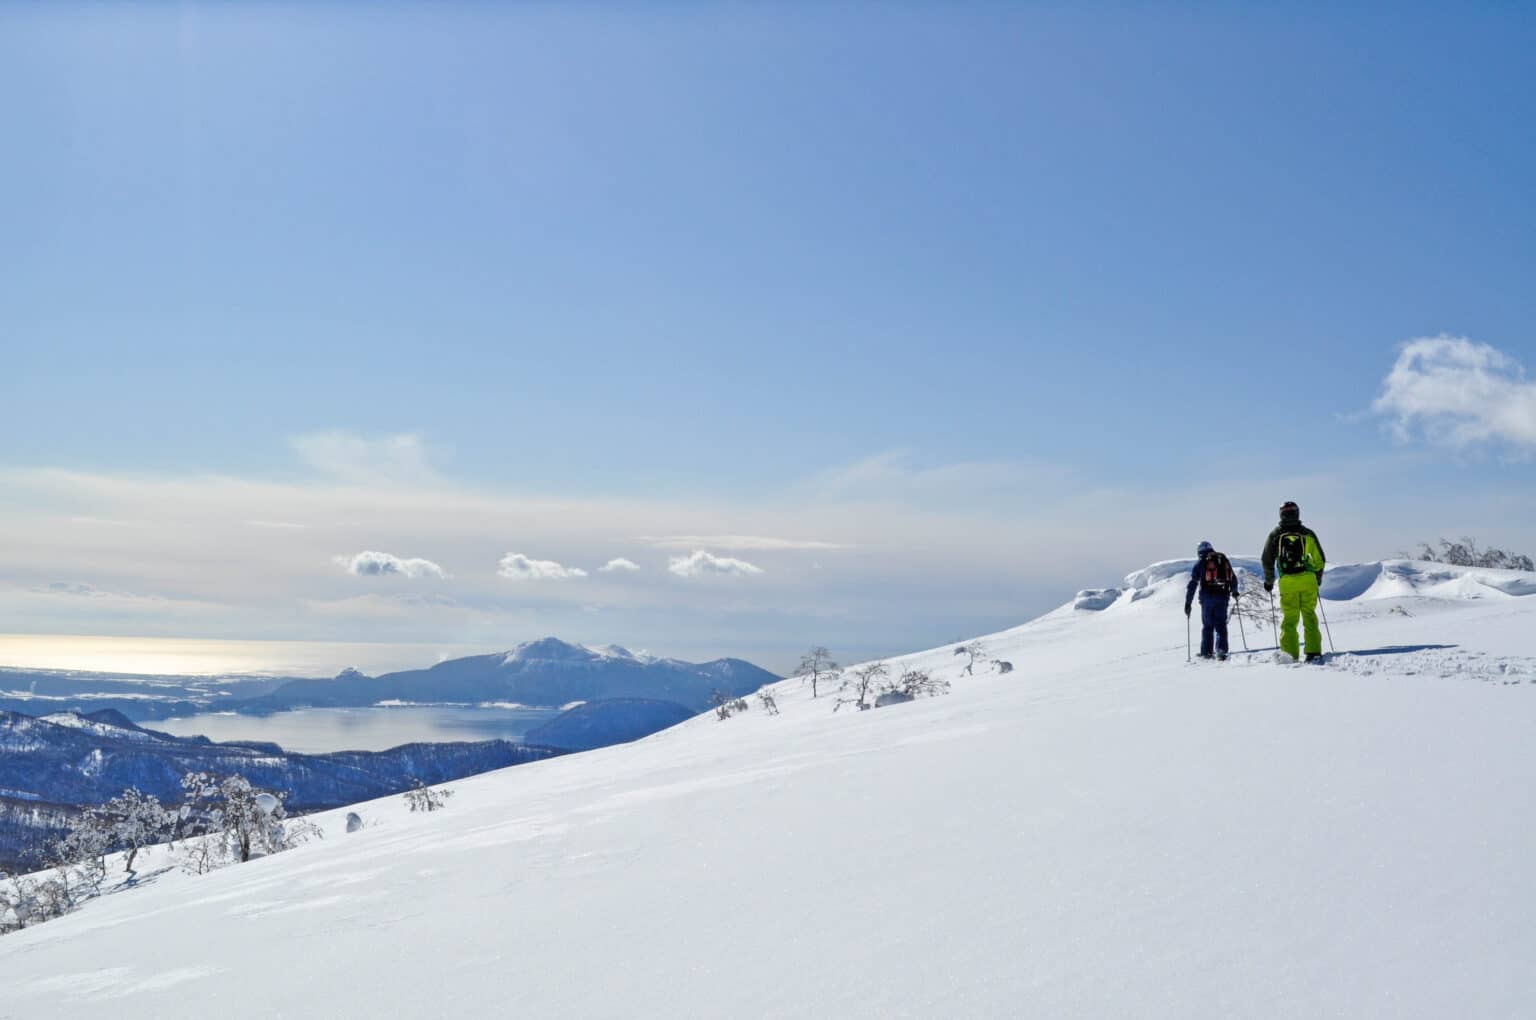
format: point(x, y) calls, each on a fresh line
point(194, 656)
point(318, 730)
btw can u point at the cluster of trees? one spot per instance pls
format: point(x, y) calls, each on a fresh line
point(726, 705)
point(1465, 553)
point(872, 685)
point(421, 797)
point(221, 820)
point(865, 685)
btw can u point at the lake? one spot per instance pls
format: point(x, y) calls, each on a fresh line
point(320, 730)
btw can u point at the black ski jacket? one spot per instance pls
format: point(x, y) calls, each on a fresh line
point(1272, 547)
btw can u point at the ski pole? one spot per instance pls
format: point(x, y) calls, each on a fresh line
point(1240, 628)
point(1274, 629)
point(1331, 649)
point(1187, 656)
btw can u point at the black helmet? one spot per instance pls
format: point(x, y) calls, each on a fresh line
point(1289, 511)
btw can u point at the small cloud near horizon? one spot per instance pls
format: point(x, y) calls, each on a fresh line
point(617, 564)
point(702, 564)
point(371, 563)
point(518, 567)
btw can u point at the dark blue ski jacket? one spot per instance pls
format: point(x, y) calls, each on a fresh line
point(1195, 577)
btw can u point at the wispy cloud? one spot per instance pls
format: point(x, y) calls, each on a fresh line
point(371, 563)
point(517, 567)
point(900, 475)
point(276, 525)
point(378, 606)
point(738, 542)
point(357, 460)
point(1456, 392)
point(617, 565)
point(76, 588)
point(703, 564)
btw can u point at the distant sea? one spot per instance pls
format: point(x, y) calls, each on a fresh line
point(319, 730)
point(203, 656)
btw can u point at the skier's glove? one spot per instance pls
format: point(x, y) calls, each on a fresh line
point(1269, 586)
point(1186, 609)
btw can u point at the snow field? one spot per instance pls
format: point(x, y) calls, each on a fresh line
point(1105, 831)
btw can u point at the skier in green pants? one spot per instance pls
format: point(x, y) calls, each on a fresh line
point(1294, 549)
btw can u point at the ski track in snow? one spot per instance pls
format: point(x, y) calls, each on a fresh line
point(1105, 831)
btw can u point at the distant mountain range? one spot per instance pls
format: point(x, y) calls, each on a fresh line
point(546, 673)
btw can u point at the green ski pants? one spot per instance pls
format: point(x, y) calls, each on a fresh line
point(1298, 598)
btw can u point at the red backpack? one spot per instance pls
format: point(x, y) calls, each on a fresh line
point(1218, 578)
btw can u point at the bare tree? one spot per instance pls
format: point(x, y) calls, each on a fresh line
point(422, 797)
point(770, 705)
point(973, 651)
point(860, 684)
point(816, 665)
point(916, 683)
point(1252, 603)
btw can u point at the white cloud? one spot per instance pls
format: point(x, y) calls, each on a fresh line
point(517, 567)
point(356, 460)
point(1456, 392)
point(618, 564)
point(381, 564)
point(699, 564)
point(754, 542)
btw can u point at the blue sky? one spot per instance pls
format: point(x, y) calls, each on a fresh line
point(950, 309)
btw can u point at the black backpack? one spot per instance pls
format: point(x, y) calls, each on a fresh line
point(1292, 558)
point(1217, 577)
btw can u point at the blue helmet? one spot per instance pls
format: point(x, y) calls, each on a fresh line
point(1205, 547)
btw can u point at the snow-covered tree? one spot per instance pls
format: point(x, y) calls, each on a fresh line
point(816, 665)
point(422, 797)
point(32, 899)
point(1465, 553)
point(79, 857)
point(229, 819)
point(136, 820)
point(769, 703)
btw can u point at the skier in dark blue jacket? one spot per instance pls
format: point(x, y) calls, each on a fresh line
point(1217, 583)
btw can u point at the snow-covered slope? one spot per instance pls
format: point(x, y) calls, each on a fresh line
point(1104, 831)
